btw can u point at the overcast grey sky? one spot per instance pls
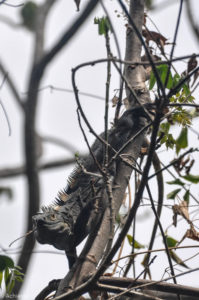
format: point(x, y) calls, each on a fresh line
point(57, 116)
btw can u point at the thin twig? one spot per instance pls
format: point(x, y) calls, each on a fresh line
point(7, 118)
point(180, 84)
point(174, 41)
point(18, 171)
point(173, 162)
point(191, 195)
point(132, 63)
point(87, 143)
point(124, 291)
point(166, 279)
point(157, 286)
point(131, 22)
point(194, 24)
point(12, 86)
point(119, 55)
point(106, 152)
point(160, 184)
point(162, 233)
point(59, 89)
point(154, 251)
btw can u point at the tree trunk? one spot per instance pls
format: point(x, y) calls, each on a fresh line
point(136, 80)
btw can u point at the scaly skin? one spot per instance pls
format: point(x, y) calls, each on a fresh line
point(68, 221)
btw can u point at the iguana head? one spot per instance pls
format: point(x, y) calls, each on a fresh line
point(52, 228)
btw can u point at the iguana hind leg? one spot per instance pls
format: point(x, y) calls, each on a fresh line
point(71, 256)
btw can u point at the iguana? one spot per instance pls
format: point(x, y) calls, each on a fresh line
point(69, 220)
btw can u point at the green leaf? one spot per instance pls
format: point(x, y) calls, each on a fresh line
point(137, 245)
point(152, 81)
point(186, 196)
point(10, 287)
point(177, 259)
point(163, 70)
point(1, 278)
point(118, 219)
point(133, 242)
point(148, 4)
point(176, 181)
point(170, 82)
point(167, 138)
point(18, 268)
point(186, 89)
point(19, 278)
point(176, 80)
point(171, 242)
point(5, 262)
point(182, 140)
point(103, 25)
point(7, 191)
point(191, 178)
point(77, 155)
point(173, 194)
point(7, 276)
point(28, 14)
point(130, 239)
point(164, 127)
point(17, 272)
point(170, 141)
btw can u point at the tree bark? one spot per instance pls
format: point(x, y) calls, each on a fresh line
point(136, 79)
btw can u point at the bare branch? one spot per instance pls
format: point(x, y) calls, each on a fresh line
point(18, 171)
point(67, 36)
point(9, 22)
point(12, 86)
point(154, 285)
point(58, 142)
point(59, 89)
point(193, 24)
point(39, 66)
point(6, 116)
point(174, 41)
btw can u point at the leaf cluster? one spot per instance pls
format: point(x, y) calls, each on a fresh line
point(9, 273)
point(194, 179)
point(104, 25)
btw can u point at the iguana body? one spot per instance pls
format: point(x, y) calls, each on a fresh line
point(66, 223)
point(64, 226)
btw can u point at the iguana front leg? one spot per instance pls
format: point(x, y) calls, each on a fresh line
point(71, 256)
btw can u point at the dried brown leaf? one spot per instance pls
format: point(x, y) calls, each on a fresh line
point(144, 150)
point(188, 168)
point(156, 37)
point(126, 103)
point(145, 17)
point(192, 63)
point(192, 234)
point(165, 110)
point(182, 210)
point(195, 77)
point(114, 101)
point(175, 217)
point(108, 274)
point(184, 162)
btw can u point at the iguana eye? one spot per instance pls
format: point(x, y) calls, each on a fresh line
point(53, 217)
